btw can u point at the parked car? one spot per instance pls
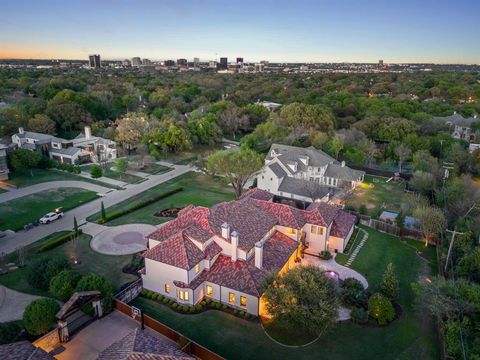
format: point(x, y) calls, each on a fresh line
point(51, 216)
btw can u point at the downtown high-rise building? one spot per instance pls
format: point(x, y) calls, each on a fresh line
point(182, 62)
point(94, 61)
point(239, 60)
point(196, 63)
point(223, 65)
point(136, 61)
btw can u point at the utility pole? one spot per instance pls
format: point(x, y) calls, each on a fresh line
point(454, 233)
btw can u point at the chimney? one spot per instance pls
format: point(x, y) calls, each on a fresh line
point(226, 231)
point(20, 130)
point(88, 132)
point(258, 254)
point(234, 239)
point(343, 163)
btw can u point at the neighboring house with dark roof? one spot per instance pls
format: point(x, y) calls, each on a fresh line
point(305, 174)
point(84, 148)
point(138, 345)
point(23, 350)
point(460, 126)
point(227, 251)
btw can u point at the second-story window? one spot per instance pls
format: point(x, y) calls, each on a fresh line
point(167, 288)
point(197, 268)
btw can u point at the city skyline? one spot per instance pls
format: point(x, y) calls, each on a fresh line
point(283, 31)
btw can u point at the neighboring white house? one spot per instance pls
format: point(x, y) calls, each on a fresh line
point(226, 252)
point(305, 174)
point(84, 148)
point(271, 106)
point(3, 162)
point(460, 126)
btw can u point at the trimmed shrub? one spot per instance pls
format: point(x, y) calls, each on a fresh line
point(359, 315)
point(121, 212)
point(203, 302)
point(57, 241)
point(208, 301)
point(325, 255)
point(241, 313)
point(62, 285)
point(192, 309)
point(199, 307)
point(380, 308)
point(224, 307)
point(353, 293)
point(174, 305)
point(96, 282)
point(218, 305)
point(39, 316)
point(42, 270)
point(96, 171)
point(159, 297)
point(171, 302)
point(10, 332)
point(165, 300)
point(235, 312)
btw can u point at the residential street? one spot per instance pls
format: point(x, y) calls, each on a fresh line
point(12, 241)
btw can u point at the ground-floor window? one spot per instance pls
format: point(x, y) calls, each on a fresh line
point(209, 290)
point(243, 301)
point(231, 298)
point(182, 295)
point(167, 288)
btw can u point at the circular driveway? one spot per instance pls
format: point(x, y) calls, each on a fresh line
point(122, 240)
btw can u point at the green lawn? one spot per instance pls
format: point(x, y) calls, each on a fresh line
point(188, 156)
point(155, 169)
point(108, 266)
point(377, 195)
point(198, 189)
point(23, 179)
point(14, 214)
point(412, 336)
point(109, 173)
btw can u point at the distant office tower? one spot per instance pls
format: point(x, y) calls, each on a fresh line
point(94, 61)
point(223, 63)
point(146, 62)
point(239, 60)
point(182, 62)
point(196, 63)
point(380, 62)
point(169, 63)
point(136, 61)
point(126, 62)
point(259, 67)
point(212, 64)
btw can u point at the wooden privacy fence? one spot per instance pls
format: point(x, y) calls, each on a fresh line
point(187, 345)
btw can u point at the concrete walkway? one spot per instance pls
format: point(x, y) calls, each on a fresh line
point(358, 247)
point(13, 304)
point(22, 238)
point(104, 179)
point(138, 173)
point(29, 190)
point(331, 265)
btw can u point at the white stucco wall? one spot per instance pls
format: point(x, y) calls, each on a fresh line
point(316, 243)
point(158, 274)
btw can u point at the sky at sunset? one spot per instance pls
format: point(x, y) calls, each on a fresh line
point(439, 31)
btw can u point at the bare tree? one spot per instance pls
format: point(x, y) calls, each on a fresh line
point(403, 152)
point(432, 222)
point(232, 120)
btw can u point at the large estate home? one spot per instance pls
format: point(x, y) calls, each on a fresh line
point(226, 252)
point(460, 127)
point(83, 149)
point(305, 174)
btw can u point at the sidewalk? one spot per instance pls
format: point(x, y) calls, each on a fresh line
point(22, 238)
point(104, 179)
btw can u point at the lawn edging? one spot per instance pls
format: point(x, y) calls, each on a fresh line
point(118, 213)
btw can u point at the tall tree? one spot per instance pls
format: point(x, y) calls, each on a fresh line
point(432, 222)
point(131, 129)
point(389, 285)
point(22, 160)
point(42, 124)
point(403, 153)
point(235, 167)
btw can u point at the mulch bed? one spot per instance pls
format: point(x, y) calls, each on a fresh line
point(170, 212)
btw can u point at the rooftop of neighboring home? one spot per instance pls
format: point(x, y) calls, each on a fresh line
point(457, 119)
point(138, 344)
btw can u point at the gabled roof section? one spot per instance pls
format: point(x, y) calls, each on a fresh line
point(287, 153)
point(178, 251)
point(342, 224)
point(277, 170)
point(257, 194)
point(343, 172)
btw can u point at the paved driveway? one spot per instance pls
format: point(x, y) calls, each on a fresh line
point(22, 238)
point(13, 304)
point(331, 265)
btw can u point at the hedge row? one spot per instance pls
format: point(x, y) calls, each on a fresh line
point(193, 309)
point(118, 213)
point(57, 240)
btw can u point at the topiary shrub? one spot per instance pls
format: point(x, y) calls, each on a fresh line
point(353, 293)
point(144, 293)
point(192, 309)
point(380, 308)
point(241, 313)
point(159, 297)
point(224, 307)
point(359, 315)
point(96, 171)
point(42, 270)
point(325, 255)
point(39, 316)
point(96, 282)
point(174, 305)
point(165, 300)
point(62, 285)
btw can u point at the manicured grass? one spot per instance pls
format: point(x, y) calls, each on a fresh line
point(155, 169)
point(108, 266)
point(109, 173)
point(198, 189)
point(287, 336)
point(18, 212)
point(412, 336)
point(24, 179)
point(190, 156)
point(377, 195)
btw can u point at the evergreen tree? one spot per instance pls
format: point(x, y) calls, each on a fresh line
point(75, 226)
point(103, 214)
point(389, 285)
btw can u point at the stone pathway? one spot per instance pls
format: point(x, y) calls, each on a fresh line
point(13, 304)
point(357, 248)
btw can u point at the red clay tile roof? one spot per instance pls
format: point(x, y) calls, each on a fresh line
point(212, 250)
point(177, 251)
point(243, 275)
point(342, 224)
point(257, 194)
point(284, 214)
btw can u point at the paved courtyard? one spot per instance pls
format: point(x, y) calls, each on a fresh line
point(13, 304)
point(122, 240)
